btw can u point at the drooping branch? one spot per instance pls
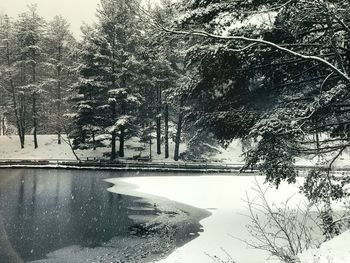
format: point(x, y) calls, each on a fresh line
point(200, 33)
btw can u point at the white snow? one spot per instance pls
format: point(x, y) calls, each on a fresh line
point(336, 250)
point(224, 197)
point(262, 20)
point(49, 149)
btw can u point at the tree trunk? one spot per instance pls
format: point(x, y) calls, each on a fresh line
point(178, 137)
point(19, 122)
point(22, 120)
point(93, 141)
point(34, 111)
point(114, 135)
point(159, 119)
point(21, 138)
point(113, 105)
point(69, 142)
point(35, 124)
point(59, 95)
point(122, 128)
point(121, 141)
point(2, 123)
point(150, 141)
point(3, 126)
point(113, 150)
point(166, 131)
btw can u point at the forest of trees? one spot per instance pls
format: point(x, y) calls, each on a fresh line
point(118, 81)
point(274, 74)
point(37, 62)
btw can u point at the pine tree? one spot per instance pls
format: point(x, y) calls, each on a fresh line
point(91, 92)
point(59, 47)
point(168, 74)
point(118, 24)
point(277, 78)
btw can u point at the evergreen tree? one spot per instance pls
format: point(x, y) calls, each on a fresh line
point(91, 92)
point(121, 31)
point(276, 73)
point(59, 47)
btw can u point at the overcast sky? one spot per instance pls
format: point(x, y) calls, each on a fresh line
point(75, 11)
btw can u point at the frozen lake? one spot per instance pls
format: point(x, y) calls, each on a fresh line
point(69, 216)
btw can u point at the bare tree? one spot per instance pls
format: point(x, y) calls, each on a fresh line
point(17, 98)
point(282, 231)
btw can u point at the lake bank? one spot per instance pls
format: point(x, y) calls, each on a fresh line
point(223, 196)
point(103, 165)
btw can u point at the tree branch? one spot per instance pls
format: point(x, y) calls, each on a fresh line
point(199, 33)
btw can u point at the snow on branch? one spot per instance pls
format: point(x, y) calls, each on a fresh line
point(201, 33)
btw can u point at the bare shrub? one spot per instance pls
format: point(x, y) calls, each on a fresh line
point(279, 229)
point(217, 259)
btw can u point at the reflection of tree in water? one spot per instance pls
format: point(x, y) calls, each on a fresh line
point(7, 253)
point(48, 210)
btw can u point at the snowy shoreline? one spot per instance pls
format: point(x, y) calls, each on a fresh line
point(224, 227)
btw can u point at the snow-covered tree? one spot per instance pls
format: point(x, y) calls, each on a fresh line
point(30, 34)
point(112, 75)
point(169, 77)
point(121, 31)
point(275, 73)
point(59, 46)
point(10, 76)
point(91, 108)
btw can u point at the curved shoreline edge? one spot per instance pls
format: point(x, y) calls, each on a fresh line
point(183, 219)
point(124, 188)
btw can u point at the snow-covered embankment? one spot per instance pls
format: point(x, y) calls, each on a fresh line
point(224, 197)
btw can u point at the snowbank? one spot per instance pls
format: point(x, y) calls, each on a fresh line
point(336, 250)
point(223, 197)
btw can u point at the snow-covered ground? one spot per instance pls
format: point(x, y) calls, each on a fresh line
point(223, 196)
point(336, 250)
point(49, 149)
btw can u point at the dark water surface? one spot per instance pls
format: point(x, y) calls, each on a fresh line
point(47, 210)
